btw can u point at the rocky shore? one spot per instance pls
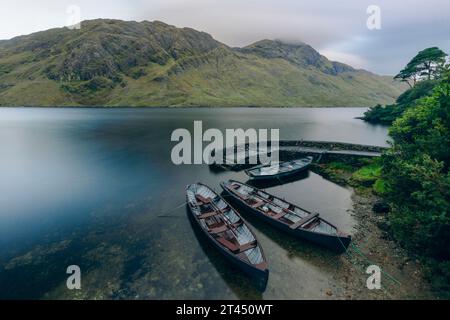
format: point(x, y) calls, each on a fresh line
point(402, 276)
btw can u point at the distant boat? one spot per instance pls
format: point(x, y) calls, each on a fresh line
point(270, 183)
point(239, 159)
point(287, 217)
point(279, 170)
point(227, 231)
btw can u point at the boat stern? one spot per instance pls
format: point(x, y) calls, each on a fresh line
point(261, 275)
point(343, 242)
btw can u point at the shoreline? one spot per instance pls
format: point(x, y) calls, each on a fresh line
point(182, 107)
point(402, 275)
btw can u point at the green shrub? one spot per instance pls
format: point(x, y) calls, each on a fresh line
point(416, 169)
point(367, 175)
point(387, 114)
point(380, 187)
point(340, 166)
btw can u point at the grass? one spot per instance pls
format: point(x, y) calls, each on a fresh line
point(379, 187)
point(364, 174)
point(223, 78)
point(340, 166)
point(367, 175)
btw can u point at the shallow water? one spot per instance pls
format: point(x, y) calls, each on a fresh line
point(97, 188)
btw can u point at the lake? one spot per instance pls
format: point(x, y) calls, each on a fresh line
point(97, 188)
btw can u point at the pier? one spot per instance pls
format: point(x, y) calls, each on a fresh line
point(321, 150)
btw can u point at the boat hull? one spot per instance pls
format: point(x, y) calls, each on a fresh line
point(304, 168)
point(260, 277)
point(280, 175)
point(336, 243)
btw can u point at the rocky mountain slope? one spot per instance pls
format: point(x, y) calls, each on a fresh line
point(119, 63)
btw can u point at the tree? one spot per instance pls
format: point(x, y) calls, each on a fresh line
point(427, 63)
point(416, 171)
point(406, 74)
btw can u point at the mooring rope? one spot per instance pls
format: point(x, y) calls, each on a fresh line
point(355, 248)
point(164, 214)
point(359, 252)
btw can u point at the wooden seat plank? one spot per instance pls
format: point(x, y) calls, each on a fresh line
point(208, 214)
point(218, 229)
point(258, 204)
point(202, 199)
point(247, 246)
point(303, 221)
point(228, 244)
point(280, 215)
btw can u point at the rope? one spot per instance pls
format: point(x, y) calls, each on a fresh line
point(358, 251)
point(353, 248)
point(163, 215)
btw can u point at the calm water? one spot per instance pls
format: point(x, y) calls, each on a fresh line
point(96, 188)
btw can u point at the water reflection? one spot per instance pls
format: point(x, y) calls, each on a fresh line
point(242, 285)
point(88, 186)
point(269, 183)
point(293, 246)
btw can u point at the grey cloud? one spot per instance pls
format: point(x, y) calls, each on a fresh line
point(337, 28)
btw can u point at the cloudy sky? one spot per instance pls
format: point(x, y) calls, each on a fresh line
point(337, 29)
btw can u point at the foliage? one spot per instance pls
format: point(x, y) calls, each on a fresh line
point(440, 271)
point(382, 114)
point(379, 187)
point(421, 89)
point(411, 97)
point(427, 63)
point(416, 173)
point(424, 70)
point(340, 166)
point(367, 175)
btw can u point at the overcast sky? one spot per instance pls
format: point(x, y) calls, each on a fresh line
point(337, 29)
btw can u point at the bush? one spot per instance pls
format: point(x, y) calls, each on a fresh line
point(417, 180)
point(380, 187)
point(410, 98)
point(367, 175)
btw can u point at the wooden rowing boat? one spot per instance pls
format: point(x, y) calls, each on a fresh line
point(279, 170)
point(287, 217)
point(227, 231)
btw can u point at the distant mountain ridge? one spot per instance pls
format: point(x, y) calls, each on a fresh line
point(120, 63)
point(300, 54)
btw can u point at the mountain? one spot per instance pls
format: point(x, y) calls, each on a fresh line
point(119, 63)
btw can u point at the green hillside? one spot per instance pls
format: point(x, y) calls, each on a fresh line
point(118, 63)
